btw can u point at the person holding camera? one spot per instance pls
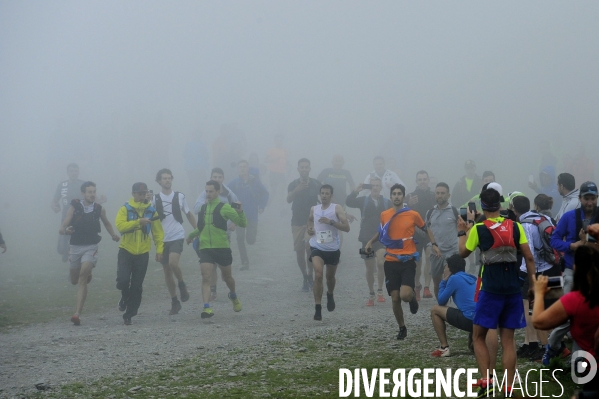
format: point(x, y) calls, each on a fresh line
point(371, 206)
point(324, 223)
point(388, 177)
point(498, 298)
point(579, 307)
point(568, 236)
point(396, 233)
point(214, 247)
point(136, 220)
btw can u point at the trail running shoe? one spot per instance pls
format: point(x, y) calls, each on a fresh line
point(370, 301)
point(403, 333)
point(427, 293)
point(207, 313)
point(127, 320)
point(549, 354)
point(306, 286)
point(441, 352)
point(380, 297)
point(175, 307)
point(76, 320)
point(183, 291)
point(523, 351)
point(414, 305)
point(330, 302)
point(122, 305)
point(485, 391)
point(236, 303)
point(318, 312)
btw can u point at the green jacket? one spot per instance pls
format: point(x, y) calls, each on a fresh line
point(212, 236)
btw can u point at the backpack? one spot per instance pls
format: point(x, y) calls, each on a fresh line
point(175, 207)
point(545, 228)
point(429, 214)
point(387, 241)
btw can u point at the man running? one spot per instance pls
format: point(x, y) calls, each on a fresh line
point(66, 191)
point(396, 233)
point(324, 223)
point(215, 248)
point(371, 206)
point(82, 224)
point(171, 205)
point(387, 176)
point(226, 196)
point(254, 197)
point(302, 195)
point(136, 220)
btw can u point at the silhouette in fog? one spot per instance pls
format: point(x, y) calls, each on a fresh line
point(302, 195)
point(136, 220)
point(468, 185)
point(254, 197)
point(228, 148)
point(196, 163)
point(82, 227)
point(548, 186)
point(277, 169)
point(171, 206)
point(2, 244)
point(387, 176)
point(338, 178)
point(66, 191)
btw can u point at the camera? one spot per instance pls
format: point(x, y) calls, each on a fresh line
point(367, 254)
point(366, 186)
point(555, 282)
point(235, 205)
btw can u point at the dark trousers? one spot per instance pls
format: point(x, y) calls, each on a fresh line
point(130, 274)
point(246, 234)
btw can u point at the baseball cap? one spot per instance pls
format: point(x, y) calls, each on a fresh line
point(513, 195)
point(588, 188)
point(470, 164)
point(139, 187)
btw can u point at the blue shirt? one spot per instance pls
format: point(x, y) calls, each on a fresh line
point(565, 234)
point(460, 287)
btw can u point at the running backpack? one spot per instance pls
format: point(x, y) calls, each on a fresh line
point(387, 241)
point(175, 207)
point(545, 228)
point(429, 214)
point(133, 215)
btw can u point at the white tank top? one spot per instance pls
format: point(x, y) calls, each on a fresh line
point(326, 237)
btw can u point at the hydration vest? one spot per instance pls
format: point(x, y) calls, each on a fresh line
point(86, 225)
point(387, 241)
point(504, 248)
point(133, 215)
point(218, 220)
point(175, 210)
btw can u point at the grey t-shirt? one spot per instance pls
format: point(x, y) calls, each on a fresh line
point(443, 224)
point(66, 192)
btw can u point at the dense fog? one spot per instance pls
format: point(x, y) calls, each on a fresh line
point(120, 88)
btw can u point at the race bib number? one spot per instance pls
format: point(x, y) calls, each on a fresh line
point(324, 237)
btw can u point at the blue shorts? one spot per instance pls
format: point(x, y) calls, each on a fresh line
point(499, 310)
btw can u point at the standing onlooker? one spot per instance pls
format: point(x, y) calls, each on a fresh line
point(338, 178)
point(387, 176)
point(468, 185)
point(66, 191)
point(566, 186)
point(136, 220)
point(254, 197)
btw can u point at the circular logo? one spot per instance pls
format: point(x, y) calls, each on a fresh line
point(584, 367)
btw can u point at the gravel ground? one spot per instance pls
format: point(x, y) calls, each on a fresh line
point(57, 352)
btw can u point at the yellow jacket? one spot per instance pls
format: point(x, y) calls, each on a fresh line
point(133, 239)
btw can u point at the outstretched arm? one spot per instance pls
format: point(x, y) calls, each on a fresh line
point(108, 226)
point(65, 227)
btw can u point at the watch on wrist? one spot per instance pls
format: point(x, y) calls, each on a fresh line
point(461, 233)
point(331, 222)
point(435, 244)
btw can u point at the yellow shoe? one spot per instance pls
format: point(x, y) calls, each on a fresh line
point(207, 313)
point(236, 303)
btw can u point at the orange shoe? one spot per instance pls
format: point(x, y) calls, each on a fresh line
point(427, 293)
point(76, 320)
point(380, 297)
point(370, 301)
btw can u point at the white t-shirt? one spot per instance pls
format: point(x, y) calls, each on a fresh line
point(173, 230)
point(388, 179)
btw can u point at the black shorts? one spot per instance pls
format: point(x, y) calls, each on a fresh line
point(221, 256)
point(525, 285)
point(329, 257)
point(375, 247)
point(398, 274)
point(171, 247)
point(456, 318)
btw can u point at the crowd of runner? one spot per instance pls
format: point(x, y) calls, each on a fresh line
point(533, 262)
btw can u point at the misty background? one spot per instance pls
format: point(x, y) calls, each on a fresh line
point(121, 87)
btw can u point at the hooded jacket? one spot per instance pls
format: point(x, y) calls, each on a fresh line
point(570, 202)
point(565, 233)
point(133, 239)
point(461, 288)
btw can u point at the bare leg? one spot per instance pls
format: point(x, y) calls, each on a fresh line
point(173, 262)
point(438, 316)
point(318, 272)
point(509, 353)
point(227, 277)
point(436, 282)
point(481, 352)
point(370, 266)
point(170, 281)
point(380, 261)
point(530, 332)
point(310, 267)
point(492, 342)
point(301, 261)
point(86, 271)
point(75, 275)
point(207, 272)
point(426, 266)
point(331, 280)
point(397, 311)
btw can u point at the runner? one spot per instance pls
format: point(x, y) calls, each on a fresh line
point(302, 195)
point(135, 220)
point(387, 176)
point(338, 178)
point(66, 191)
point(171, 206)
point(396, 232)
point(254, 196)
point(214, 246)
point(422, 200)
point(226, 197)
point(82, 226)
point(323, 225)
point(371, 206)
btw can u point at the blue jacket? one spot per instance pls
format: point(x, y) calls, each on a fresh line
point(253, 195)
point(565, 234)
point(461, 287)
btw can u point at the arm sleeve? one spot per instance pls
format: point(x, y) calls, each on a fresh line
point(122, 224)
point(418, 221)
point(157, 234)
point(56, 194)
point(472, 241)
point(233, 197)
point(231, 214)
point(446, 290)
point(557, 238)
